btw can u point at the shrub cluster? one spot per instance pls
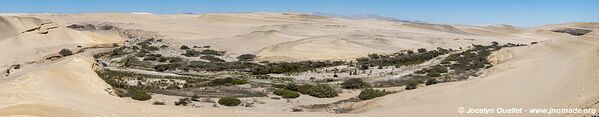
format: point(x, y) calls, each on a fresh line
point(400, 58)
point(138, 94)
point(431, 81)
point(286, 67)
point(370, 93)
point(212, 52)
point(412, 84)
point(191, 53)
point(322, 91)
point(246, 57)
point(286, 93)
point(304, 89)
point(212, 58)
point(354, 83)
point(221, 66)
point(229, 101)
point(227, 82)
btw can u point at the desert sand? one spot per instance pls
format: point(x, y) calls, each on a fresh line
point(560, 71)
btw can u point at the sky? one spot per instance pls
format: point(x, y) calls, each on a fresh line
point(524, 13)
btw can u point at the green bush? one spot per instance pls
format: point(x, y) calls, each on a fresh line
point(212, 58)
point(141, 96)
point(433, 74)
point(370, 93)
point(191, 53)
point(65, 52)
point(431, 81)
point(246, 57)
point(184, 47)
point(227, 81)
point(229, 101)
point(354, 83)
point(322, 91)
point(286, 93)
point(304, 89)
point(211, 52)
point(412, 84)
point(439, 69)
point(291, 87)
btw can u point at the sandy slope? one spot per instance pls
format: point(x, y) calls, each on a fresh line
point(26, 39)
point(294, 36)
point(561, 71)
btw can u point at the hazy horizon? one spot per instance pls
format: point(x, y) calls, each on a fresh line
point(468, 12)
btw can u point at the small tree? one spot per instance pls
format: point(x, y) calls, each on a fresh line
point(65, 52)
point(229, 101)
point(354, 83)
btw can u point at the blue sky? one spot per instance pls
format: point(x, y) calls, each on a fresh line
point(473, 12)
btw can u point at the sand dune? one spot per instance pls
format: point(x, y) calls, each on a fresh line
point(27, 39)
point(284, 29)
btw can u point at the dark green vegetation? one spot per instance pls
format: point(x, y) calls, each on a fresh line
point(412, 84)
point(141, 96)
point(304, 89)
point(286, 93)
point(227, 82)
point(246, 57)
point(431, 81)
point(354, 83)
point(229, 101)
point(219, 66)
point(455, 67)
point(65, 52)
point(171, 85)
point(291, 67)
point(370, 93)
point(191, 53)
point(573, 31)
point(322, 91)
point(400, 58)
point(212, 58)
point(319, 91)
point(184, 47)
